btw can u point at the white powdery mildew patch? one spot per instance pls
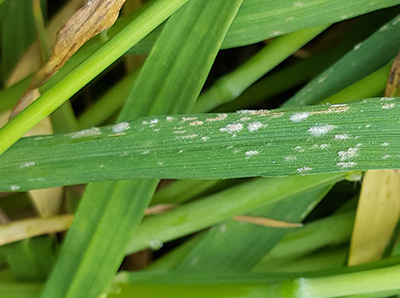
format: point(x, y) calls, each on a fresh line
point(254, 112)
point(324, 146)
point(347, 154)
point(386, 156)
point(120, 127)
point(220, 117)
point(385, 144)
point(303, 170)
point(91, 132)
point(357, 46)
point(192, 136)
point(255, 126)
point(184, 119)
point(245, 119)
point(251, 153)
point(45, 137)
point(342, 137)
point(386, 98)
point(298, 117)
point(179, 131)
point(153, 121)
point(320, 129)
point(205, 139)
point(290, 158)
point(27, 164)
point(232, 128)
point(347, 164)
point(169, 118)
point(196, 123)
point(14, 187)
point(299, 149)
point(145, 152)
point(388, 106)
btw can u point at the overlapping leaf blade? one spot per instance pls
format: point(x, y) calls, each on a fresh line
point(310, 140)
point(95, 257)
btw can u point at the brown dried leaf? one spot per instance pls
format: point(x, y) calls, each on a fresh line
point(159, 209)
point(262, 221)
point(90, 20)
point(31, 60)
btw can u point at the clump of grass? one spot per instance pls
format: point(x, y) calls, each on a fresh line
point(155, 98)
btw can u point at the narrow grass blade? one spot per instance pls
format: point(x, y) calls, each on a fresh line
point(377, 216)
point(310, 140)
point(234, 246)
point(31, 259)
point(314, 236)
point(149, 17)
point(379, 203)
point(233, 84)
point(365, 58)
point(223, 205)
point(17, 33)
point(29, 228)
point(96, 259)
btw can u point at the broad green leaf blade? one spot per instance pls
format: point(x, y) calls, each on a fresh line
point(310, 140)
point(221, 206)
point(365, 58)
point(258, 20)
point(95, 257)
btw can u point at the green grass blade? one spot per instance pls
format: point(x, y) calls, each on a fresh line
point(235, 246)
point(325, 232)
point(149, 17)
point(310, 140)
point(259, 20)
point(233, 84)
point(96, 258)
point(365, 58)
point(17, 33)
point(221, 206)
point(277, 18)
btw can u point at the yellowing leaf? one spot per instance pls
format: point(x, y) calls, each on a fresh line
point(377, 216)
point(379, 203)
